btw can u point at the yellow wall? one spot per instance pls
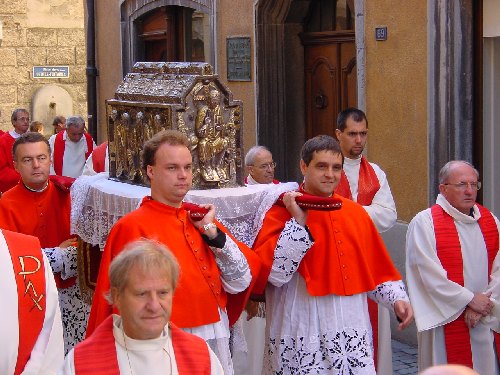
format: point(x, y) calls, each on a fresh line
point(235, 19)
point(108, 57)
point(396, 99)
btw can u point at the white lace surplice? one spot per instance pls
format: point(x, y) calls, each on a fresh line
point(320, 335)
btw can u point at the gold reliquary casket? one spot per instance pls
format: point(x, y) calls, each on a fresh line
point(184, 96)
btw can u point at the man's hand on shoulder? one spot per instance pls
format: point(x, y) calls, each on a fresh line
point(481, 303)
point(298, 213)
point(404, 313)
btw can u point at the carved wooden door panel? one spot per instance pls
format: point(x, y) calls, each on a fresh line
point(330, 78)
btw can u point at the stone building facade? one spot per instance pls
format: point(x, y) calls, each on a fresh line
point(42, 33)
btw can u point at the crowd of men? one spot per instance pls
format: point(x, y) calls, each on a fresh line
point(170, 287)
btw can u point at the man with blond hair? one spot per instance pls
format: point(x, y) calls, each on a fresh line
point(141, 339)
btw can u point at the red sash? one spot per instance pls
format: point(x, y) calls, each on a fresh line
point(29, 271)
point(449, 251)
point(368, 184)
point(96, 355)
point(99, 157)
point(60, 146)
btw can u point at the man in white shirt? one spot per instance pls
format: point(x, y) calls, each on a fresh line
point(31, 335)
point(71, 148)
point(260, 166)
point(141, 340)
point(366, 183)
point(453, 275)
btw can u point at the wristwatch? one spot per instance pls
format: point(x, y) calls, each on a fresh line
point(207, 227)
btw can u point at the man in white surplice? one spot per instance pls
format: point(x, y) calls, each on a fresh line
point(366, 183)
point(452, 274)
point(318, 268)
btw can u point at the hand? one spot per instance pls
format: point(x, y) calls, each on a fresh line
point(208, 218)
point(481, 303)
point(68, 242)
point(298, 213)
point(404, 312)
point(471, 317)
point(252, 309)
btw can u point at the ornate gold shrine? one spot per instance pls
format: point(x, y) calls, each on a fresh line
point(184, 96)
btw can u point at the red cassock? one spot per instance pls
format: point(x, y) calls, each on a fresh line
point(348, 256)
point(199, 292)
point(8, 175)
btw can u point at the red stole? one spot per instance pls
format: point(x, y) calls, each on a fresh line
point(368, 184)
point(99, 157)
point(449, 251)
point(60, 146)
point(96, 355)
point(29, 272)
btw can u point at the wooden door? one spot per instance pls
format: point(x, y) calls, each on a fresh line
point(330, 78)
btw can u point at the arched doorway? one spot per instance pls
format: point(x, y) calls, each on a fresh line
point(286, 97)
point(167, 30)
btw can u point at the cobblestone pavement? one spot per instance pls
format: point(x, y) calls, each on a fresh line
point(404, 358)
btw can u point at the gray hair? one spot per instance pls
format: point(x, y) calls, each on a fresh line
point(444, 173)
point(75, 121)
point(151, 257)
point(253, 152)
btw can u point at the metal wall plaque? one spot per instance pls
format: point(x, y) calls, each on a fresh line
point(238, 59)
point(51, 72)
point(381, 33)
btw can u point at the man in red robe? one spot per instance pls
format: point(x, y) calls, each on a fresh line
point(41, 208)
point(318, 269)
point(141, 340)
point(214, 268)
point(366, 183)
point(8, 176)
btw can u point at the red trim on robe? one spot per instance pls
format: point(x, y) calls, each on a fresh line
point(96, 355)
point(449, 252)
point(60, 146)
point(368, 184)
point(29, 272)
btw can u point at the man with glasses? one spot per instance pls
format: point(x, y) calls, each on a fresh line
point(366, 183)
point(453, 275)
point(39, 207)
point(8, 176)
point(260, 166)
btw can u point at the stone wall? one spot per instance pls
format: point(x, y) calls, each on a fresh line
point(41, 33)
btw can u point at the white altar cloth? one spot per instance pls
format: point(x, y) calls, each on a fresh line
point(97, 203)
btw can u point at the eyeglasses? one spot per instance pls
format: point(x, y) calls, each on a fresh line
point(464, 185)
point(263, 167)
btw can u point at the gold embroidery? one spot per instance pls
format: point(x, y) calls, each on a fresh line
point(30, 288)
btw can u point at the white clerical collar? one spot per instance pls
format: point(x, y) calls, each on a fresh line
point(456, 214)
point(14, 134)
point(37, 190)
point(251, 181)
point(139, 345)
point(349, 161)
